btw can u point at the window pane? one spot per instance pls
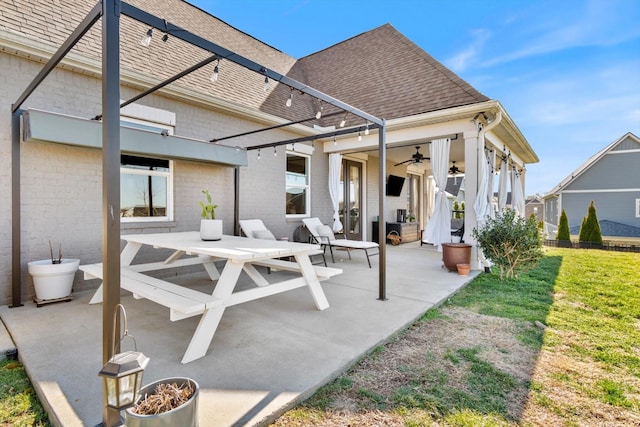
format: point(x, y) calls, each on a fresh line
point(143, 163)
point(143, 196)
point(296, 200)
point(296, 170)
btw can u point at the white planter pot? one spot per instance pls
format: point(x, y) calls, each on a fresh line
point(52, 281)
point(211, 229)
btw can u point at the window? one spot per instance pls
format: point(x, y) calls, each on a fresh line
point(145, 189)
point(298, 185)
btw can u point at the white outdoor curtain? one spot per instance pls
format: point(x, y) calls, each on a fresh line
point(335, 164)
point(430, 197)
point(502, 187)
point(482, 204)
point(438, 229)
point(491, 163)
point(517, 195)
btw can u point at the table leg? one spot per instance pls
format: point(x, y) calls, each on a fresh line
point(126, 258)
point(210, 320)
point(313, 283)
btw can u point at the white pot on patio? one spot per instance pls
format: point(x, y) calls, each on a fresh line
point(211, 229)
point(53, 281)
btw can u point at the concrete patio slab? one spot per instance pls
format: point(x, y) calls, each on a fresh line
point(265, 356)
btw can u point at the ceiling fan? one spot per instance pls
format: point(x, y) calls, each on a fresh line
point(453, 170)
point(416, 157)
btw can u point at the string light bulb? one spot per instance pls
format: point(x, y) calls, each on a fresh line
point(165, 37)
point(359, 136)
point(216, 71)
point(334, 140)
point(366, 131)
point(290, 99)
point(275, 152)
point(266, 83)
point(146, 40)
point(344, 120)
point(319, 113)
point(258, 154)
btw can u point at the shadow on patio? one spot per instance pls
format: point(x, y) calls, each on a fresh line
point(265, 355)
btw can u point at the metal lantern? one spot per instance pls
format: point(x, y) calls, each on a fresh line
point(123, 372)
point(123, 378)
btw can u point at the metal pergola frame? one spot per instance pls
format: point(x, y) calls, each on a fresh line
point(109, 11)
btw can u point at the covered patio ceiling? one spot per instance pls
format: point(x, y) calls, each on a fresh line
point(110, 12)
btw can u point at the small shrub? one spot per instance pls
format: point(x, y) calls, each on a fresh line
point(511, 242)
point(590, 228)
point(563, 227)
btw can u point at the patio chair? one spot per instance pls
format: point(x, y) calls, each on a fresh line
point(255, 229)
point(457, 230)
point(323, 234)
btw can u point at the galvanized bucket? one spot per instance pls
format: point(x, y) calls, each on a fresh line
point(184, 416)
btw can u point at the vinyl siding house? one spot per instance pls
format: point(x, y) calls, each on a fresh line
point(610, 178)
point(195, 133)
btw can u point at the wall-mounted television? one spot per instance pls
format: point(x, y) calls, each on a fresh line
point(394, 185)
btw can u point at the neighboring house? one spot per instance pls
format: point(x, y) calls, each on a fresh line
point(534, 205)
point(611, 179)
point(197, 131)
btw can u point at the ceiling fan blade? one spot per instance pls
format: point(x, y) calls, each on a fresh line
point(402, 163)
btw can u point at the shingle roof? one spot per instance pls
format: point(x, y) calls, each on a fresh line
point(380, 71)
point(385, 74)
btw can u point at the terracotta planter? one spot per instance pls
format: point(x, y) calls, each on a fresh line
point(455, 253)
point(463, 269)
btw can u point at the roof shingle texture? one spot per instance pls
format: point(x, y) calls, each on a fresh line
point(380, 72)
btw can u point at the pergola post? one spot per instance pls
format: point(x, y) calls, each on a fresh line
point(382, 238)
point(16, 268)
point(110, 188)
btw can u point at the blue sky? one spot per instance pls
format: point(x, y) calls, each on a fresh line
point(566, 71)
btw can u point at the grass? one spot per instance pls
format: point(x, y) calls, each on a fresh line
point(585, 367)
point(19, 405)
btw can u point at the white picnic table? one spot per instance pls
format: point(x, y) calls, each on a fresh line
point(239, 253)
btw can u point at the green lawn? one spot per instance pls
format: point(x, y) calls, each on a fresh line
point(585, 350)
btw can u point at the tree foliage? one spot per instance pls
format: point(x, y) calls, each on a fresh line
point(590, 228)
point(563, 227)
point(511, 242)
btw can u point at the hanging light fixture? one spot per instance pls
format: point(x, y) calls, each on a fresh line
point(266, 83)
point(359, 136)
point(165, 37)
point(366, 131)
point(146, 40)
point(123, 372)
point(290, 99)
point(214, 75)
point(275, 152)
point(319, 113)
point(334, 140)
point(258, 154)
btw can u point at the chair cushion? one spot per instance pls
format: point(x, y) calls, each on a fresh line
point(264, 234)
point(326, 231)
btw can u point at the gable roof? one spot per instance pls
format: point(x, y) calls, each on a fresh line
point(620, 143)
point(385, 74)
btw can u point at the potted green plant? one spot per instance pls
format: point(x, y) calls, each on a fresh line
point(53, 278)
point(210, 227)
point(167, 402)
